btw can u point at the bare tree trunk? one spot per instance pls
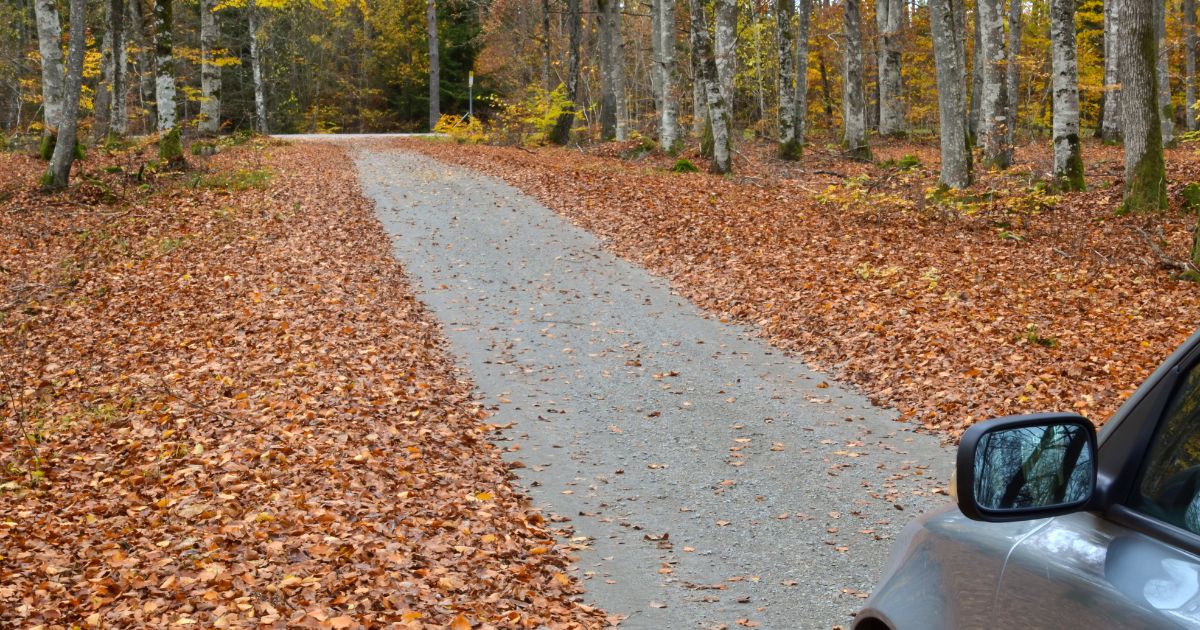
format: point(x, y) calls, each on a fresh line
point(609, 13)
point(1190, 51)
point(668, 133)
point(49, 31)
point(1145, 174)
point(1015, 27)
point(726, 49)
point(993, 122)
point(854, 103)
point(656, 55)
point(117, 119)
point(1163, 70)
point(619, 78)
point(1068, 161)
point(800, 118)
point(976, 78)
point(888, 15)
point(164, 58)
point(59, 173)
point(547, 76)
point(718, 115)
point(210, 72)
point(948, 49)
point(101, 107)
point(1110, 126)
point(145, 65)
point(561, 133)
point(260, 89)
point(699, 99)
point(789, 143)
point(435, 70)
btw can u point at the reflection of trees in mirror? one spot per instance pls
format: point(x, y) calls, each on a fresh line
point(1028, 467)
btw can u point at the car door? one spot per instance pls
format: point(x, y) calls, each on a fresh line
point(1133, 563)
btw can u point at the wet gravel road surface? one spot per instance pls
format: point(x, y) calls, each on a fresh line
point(709, 478)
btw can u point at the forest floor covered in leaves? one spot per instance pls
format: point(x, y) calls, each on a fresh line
point(223, 407)
point(951, 306)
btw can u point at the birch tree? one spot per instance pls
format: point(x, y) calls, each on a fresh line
point(1190, 46)
point(260, 89)
point(1068, 162)
point(49, 34)
point(210, 72)
point(889, 18)
point(1110, 124)
point(853, 101)
point(949, 56)
point(59, 173)
point(718, 114)
point(1166, 116)
point(562, 129)
point(170, 146)
point(668, 130)
point(1145, 174)
point(435, 77)
point(993, 113)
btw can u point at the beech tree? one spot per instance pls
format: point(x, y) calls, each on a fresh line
point(718, 113)
point(49, 35)
point(170, 145)
point(889, 18)
point(435, 78)
point(562, 129)
point(1068, 161)
point(853, 100)
point(210, 72)
point(668, 131)
point(58, 176)
point(1110, 125)
point(1145, 173)
point(1013, 68)
point(946, 27)
point(611, 64)
point(1190, 45)
point(1166, 116)
point(260, 90)
point(112, 71)
point(790, 146)
point(993, 112)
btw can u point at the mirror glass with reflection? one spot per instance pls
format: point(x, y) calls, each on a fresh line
point(1033, 467)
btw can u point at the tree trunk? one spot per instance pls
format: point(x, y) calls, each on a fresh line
point(49, 31)
point(210, 72)
point(699, 99)
point(1145, 174)
point(888, 15)
point(789, 143)
point(1013, 69)
point(718, 114)
point(260, 90)
point(854, 103)
point(668, 133)
point(800, 118)
point(1068, 162)
point(609, 12)
point(145, 65)
point(1162, 68)
point(117, 120)
point(656, 54)
point(435, 70)
point(547, 76)
point(561, 133)
point(1189, 57)
point(993, 121)
point(58, 176)
point(619, 77)
point(948, 45)
point(1110, 126)
point(101, 107)
point(726, 14)
point(164, 58)
point(976, 78)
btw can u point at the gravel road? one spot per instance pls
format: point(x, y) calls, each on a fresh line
point(709, 478)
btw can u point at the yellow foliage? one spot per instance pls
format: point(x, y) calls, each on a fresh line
point(464, 131)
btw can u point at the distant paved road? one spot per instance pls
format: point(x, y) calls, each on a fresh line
point(715, 478)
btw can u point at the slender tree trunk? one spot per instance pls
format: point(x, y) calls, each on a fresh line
point(164, 57)
point(656, 55)
point(547, 77)
point(826, 89)
point(1191, 46)
point(1145, 174)
point(260, 89)
point(718, 114)
point(49, 31)
point(435, 70)
point(1068, 161)
point(948, 50)
point(58, 176)
point(562, 129)
point(669, 127)
point(993, 122)
point(853, 101)
point(888, 15)
point(977, 77)
point(1163, 70)
point(145, 65)
point(1013, 69)
point(800, 123)
point(619, 85)
point(101, 108)
point(117, 119)
point(758, 78)
point(609, 12)
point(789, 143)
point(726, 14)
point(1110, 126)
point(210, 72)
point(699, 99)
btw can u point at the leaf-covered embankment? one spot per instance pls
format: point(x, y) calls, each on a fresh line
point(999, 300)
point(222, 406)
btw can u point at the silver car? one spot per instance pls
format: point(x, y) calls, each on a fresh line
point(1055, 528)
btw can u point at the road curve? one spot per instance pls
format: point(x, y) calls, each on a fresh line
point(709, 478)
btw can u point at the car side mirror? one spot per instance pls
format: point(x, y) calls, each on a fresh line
point(1026, 467)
